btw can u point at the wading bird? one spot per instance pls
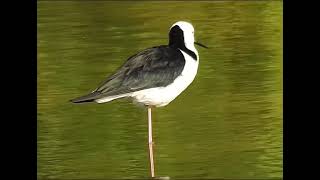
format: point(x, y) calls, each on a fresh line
point(153, 77)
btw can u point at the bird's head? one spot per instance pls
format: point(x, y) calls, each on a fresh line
point(182, 34)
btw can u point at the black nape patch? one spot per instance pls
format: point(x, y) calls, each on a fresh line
point(176, 40)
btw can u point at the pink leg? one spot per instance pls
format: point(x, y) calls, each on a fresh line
point(150, 142)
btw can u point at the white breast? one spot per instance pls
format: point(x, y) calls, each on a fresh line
point(162, 96)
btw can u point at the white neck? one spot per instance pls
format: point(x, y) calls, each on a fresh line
point(192, 48)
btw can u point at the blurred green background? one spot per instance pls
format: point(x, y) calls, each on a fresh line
point(227, 124)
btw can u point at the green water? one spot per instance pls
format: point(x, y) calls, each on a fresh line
point(227, 124)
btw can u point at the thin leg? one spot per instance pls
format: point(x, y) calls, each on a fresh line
point(150, 142)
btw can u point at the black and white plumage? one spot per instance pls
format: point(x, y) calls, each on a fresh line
point(154, 76)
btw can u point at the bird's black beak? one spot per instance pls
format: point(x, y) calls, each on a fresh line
point(199, 44)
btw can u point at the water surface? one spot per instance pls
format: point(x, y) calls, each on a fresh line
point(227, 124)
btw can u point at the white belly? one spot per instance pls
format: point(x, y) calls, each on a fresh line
point(162, 96)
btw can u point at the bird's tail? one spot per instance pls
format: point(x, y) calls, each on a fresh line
point(87, 98)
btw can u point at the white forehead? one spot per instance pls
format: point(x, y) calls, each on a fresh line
point(185, 26)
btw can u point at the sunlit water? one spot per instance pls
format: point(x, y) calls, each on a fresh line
point(227, 124)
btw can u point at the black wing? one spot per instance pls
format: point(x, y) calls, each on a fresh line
point(153, 67)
